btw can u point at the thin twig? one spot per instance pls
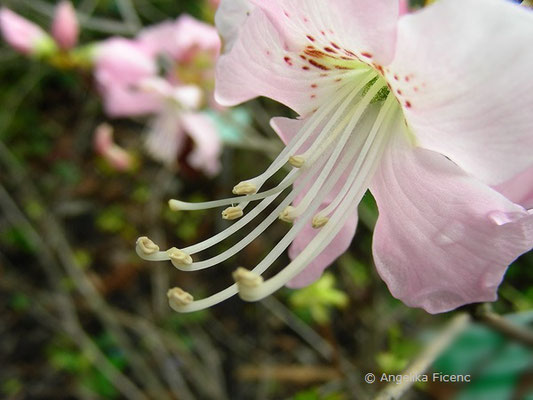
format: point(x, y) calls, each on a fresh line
point(502, 325)
point(97, 24)
point(129, 14)
point(440, 343)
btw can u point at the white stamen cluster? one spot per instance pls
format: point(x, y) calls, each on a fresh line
point(340, 162)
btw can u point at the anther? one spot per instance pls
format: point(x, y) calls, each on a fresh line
point(297, 161)
point(174, 205)
point(178, 298)
point(178, 257)
point(244, 188)
point(246, 279)
point(319, 221)
point(287, 214)
point(147, 246)
point(232, 213)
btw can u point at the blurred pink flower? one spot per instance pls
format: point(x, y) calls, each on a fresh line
point(104, 145)
point(28, 38)
point(65, 27)
point(408, 106)
point(127, 72)
point(21, 34)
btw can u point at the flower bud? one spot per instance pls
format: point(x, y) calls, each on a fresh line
point(65, 27)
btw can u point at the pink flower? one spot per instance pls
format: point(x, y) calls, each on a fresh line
point(409, 106)
point(23, 35)
point(65, 27)
point(127, 73)
point(117, 157)
point(28, 38)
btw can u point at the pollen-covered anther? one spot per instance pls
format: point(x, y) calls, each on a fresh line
point(297, 161)
point(232, 213)
point(287, 214)
point(179, 257)
point(319, 221)
point(246, 279)
point(147, 246)
point(244, 188)
point(178, 298)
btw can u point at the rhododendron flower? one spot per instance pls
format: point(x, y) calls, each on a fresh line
point(28, 38)
point(415, 107)
point(127, 72)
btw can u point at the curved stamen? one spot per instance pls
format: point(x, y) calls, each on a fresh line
point(280, 247)
point(352, 118)
point(326, 235)
point(344, 97)
point(323, 214)
point(177, 205)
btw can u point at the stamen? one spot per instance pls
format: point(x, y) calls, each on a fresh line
point(146, 246)
point(244, 188)
point(352, 119)
point(178, 257)
point(287, 214)
point(178, 205)
point(383, 113)
point(297, 161)
point(246, 279)
point(326, 235)
point(232, 213)
point(178, 298)
point(319, 222)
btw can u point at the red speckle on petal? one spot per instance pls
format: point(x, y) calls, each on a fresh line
point(313, 96)
point(303, 57)
point(305, 68)
point(338, 79)
point(318, 65)
point(365, 54)
point(286, 14)
point(329, 50)
point(306, 19)
point(314, 85)
point(407, 79)
point(415, 89)
point(408, 104)
point(396, 77)
point(399, 92)
point(323, 33)
point(288, 60)
point(311, 38)
point(335, 45)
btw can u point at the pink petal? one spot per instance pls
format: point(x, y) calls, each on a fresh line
point(21, 34)
point(193, 36)
point(121, 62)
point(121, 67)
point(208, 146)
point(122, 101)
point(337, 247)
point(65, 27)
point(160, 38)
point(265, 59)
point(166, 136)
point(443, 238)
point(229, 18)
point(463, 68)
point(362, 26)
point(519, 189)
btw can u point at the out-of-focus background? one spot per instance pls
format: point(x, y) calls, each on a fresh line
point(83, 317)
